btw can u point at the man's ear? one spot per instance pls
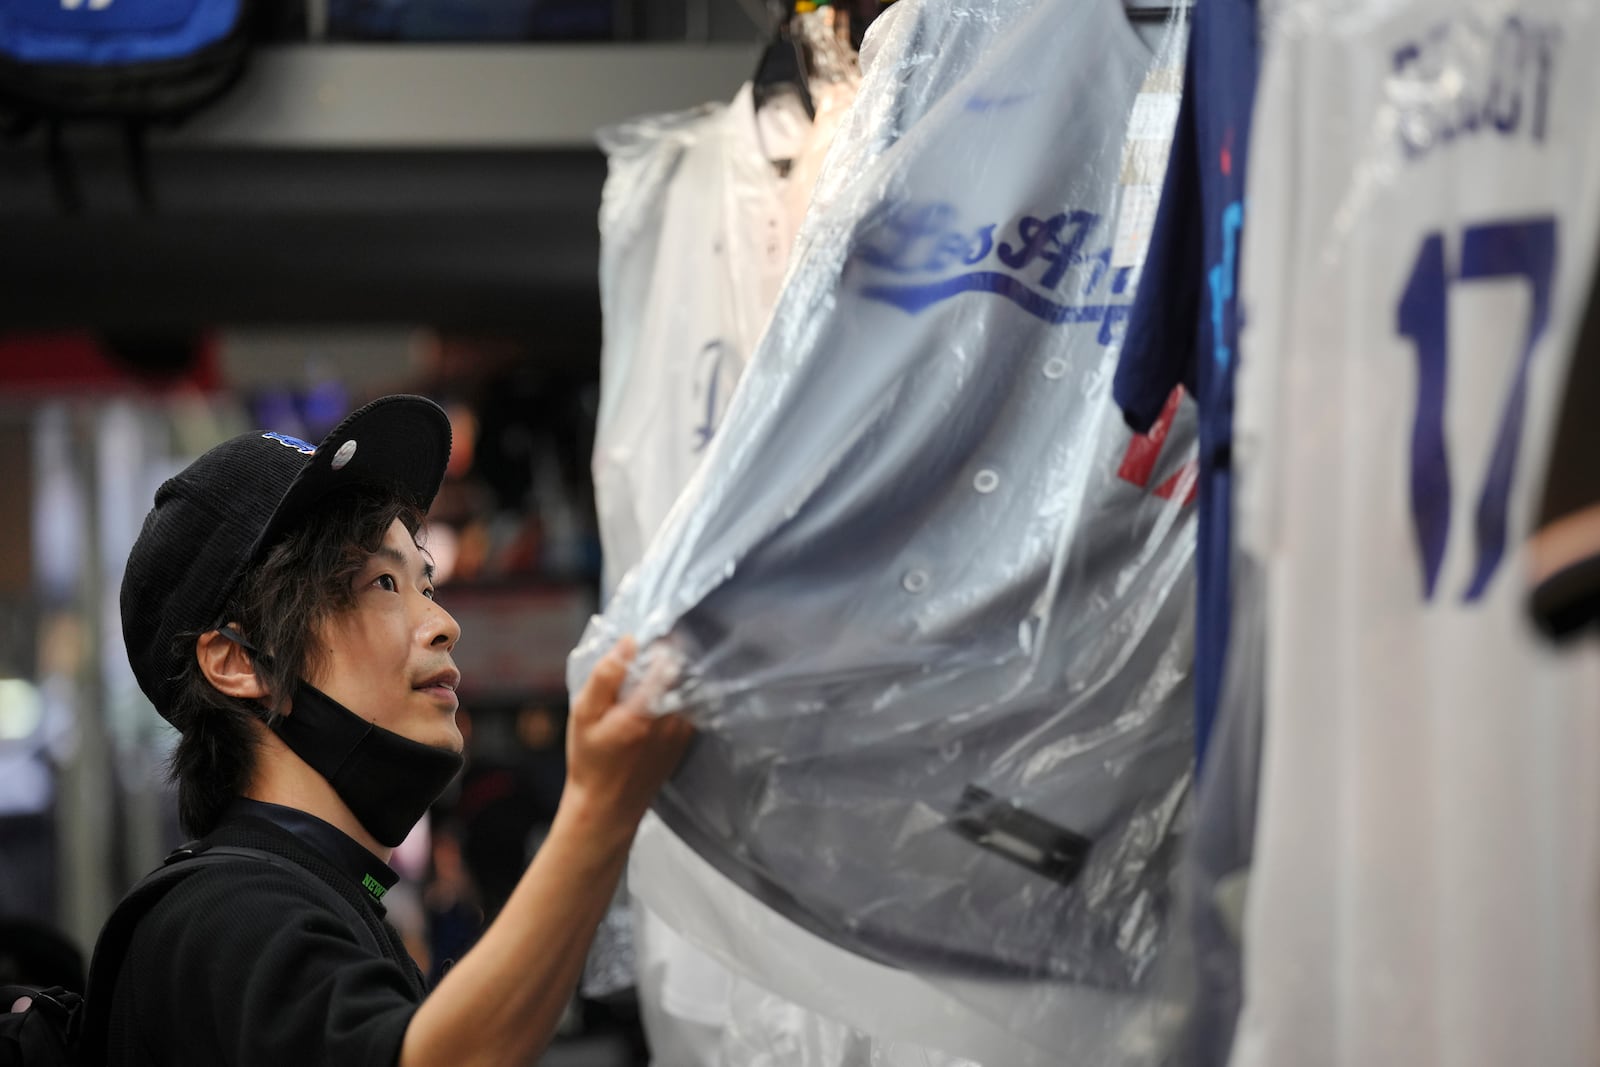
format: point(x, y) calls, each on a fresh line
point(227, 666)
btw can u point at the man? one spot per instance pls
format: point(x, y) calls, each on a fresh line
point(278, 610)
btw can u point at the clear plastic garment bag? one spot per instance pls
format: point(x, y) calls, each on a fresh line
point(926, 597)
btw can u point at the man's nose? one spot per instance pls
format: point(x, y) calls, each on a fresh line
point(442, 629)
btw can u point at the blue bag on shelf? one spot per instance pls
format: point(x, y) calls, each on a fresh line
point(133, 60)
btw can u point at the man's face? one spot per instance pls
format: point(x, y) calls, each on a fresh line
point(388, 658)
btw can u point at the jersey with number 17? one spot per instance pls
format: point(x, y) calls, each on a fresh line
point(1424, 189)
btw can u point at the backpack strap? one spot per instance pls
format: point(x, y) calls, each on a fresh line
point(46, 1033)
point(117, 935)
point(330, 896)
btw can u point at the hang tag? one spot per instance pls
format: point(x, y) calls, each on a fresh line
point(1154, 116)
point(1145, 150)
point(1136, 220)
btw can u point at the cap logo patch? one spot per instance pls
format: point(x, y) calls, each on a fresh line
point(341, 457)
point(292, 442)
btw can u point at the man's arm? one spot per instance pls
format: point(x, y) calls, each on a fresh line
point(500, 1004)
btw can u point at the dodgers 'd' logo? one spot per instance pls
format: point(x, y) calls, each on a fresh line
point(1054, 268)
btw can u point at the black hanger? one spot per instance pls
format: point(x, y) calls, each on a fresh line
point(782, 65)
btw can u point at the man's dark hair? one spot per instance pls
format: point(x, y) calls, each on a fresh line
point(302, 581)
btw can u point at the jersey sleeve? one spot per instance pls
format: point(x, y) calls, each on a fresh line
point(1158, 351)
point(1268, 266)
point(1564, 552)
point(245, 968)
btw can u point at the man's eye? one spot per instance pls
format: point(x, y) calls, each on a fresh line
point(386, 582)
point(428, 592)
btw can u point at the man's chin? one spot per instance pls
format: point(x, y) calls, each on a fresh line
point(448, 736)
point(438, 732)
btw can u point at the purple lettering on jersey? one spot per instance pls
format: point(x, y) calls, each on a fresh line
point(1463, 78)
point(1033, 264)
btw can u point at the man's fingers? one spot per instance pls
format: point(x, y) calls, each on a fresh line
point(22, 1004)
point(600, 691)
point(671, 734)
point(632, 724)
point(659, 675)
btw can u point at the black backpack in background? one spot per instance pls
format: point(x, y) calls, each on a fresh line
point(62, 1028)
point(137, 63)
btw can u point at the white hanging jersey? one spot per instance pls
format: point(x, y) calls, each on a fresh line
point(695, 238)
point(696, 230)
point(1423, 197)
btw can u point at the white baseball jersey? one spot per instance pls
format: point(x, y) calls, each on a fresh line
point(695, 238)
point(1423, 198)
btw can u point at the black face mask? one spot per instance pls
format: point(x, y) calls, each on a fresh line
point(386, 780)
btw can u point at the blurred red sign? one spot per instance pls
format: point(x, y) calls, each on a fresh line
point(78, 360)
point(515, 640)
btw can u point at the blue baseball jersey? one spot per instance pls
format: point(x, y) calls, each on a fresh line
point(1183, 329)
point(1182, 332)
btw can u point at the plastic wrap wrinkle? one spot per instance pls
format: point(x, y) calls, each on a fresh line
point(897, 1010)
point(921, 460)
point(1208, 980)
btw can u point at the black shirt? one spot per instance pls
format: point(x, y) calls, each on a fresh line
point(336, 846)
point(243, 965)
